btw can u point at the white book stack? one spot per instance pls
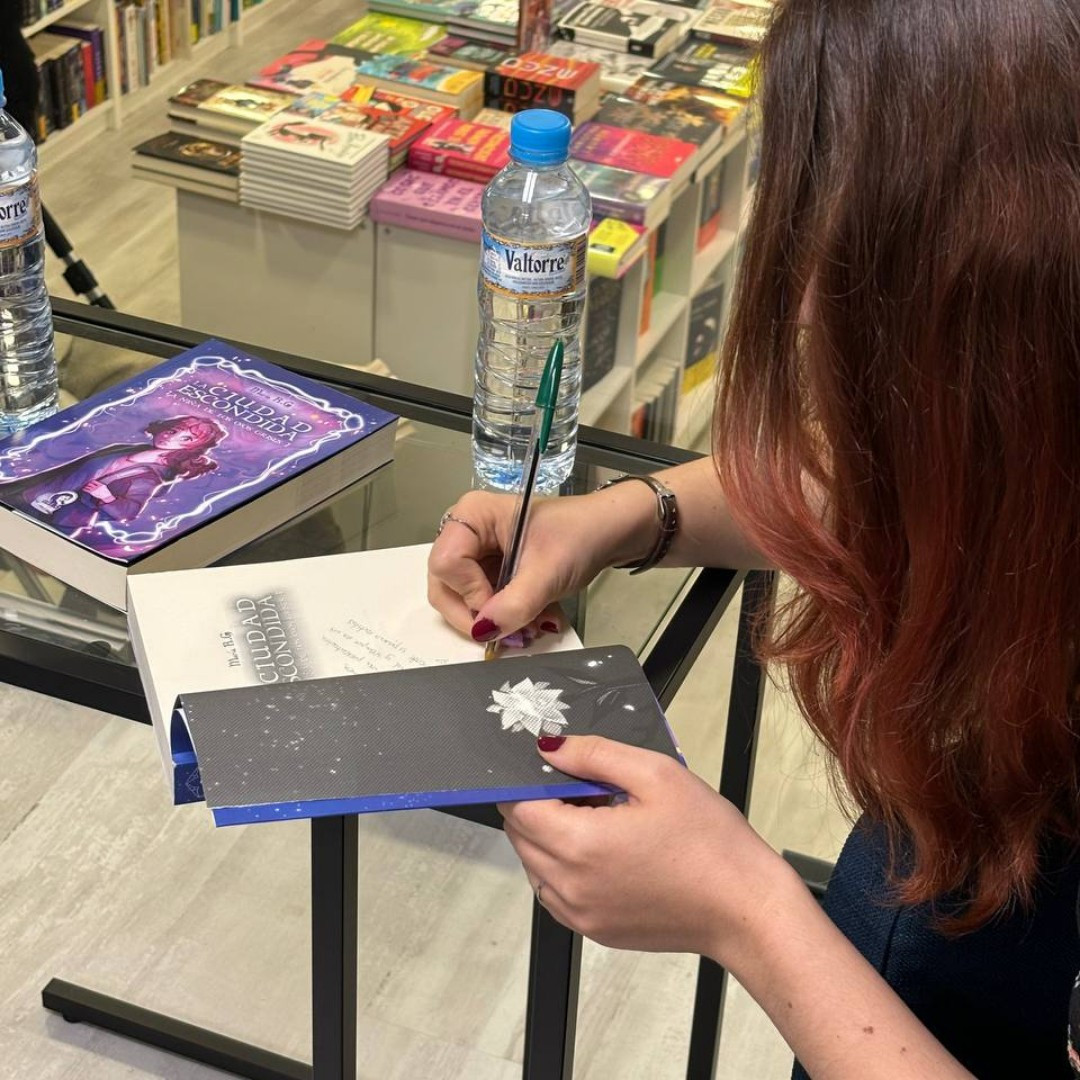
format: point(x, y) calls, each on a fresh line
point(319, 172)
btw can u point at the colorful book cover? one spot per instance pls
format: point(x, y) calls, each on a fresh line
point(195, 93)
point(498, 15)
point(635, 151)
point(248, 103)
point(466, 53)
point(401, 119)
point(421, 73)
point(547, 70)
point(462, 148)
point(141, 464)
point(703, 338)
point(381, 34)
point(612, 245)
point(315, 65)
point(690, 120)
point(427, 202)
point(189, 150)
point(708, 65)
point(313, 138)
point(617, 69)
point(497, 118)
point(618, 193)
point(623, 24)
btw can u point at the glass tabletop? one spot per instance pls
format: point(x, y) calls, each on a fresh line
point(398, 505)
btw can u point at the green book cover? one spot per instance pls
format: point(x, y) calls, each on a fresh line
point(379, 33)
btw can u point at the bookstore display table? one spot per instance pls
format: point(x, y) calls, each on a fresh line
point(60, 643)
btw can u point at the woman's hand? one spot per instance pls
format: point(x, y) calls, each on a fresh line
point(674, 868)
point(568, 542)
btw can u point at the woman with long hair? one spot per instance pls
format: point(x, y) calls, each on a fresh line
point(897, 428)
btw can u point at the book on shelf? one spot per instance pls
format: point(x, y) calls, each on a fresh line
point(634, 151)
point(464, 52)
point(710, 66)
point(703, 336)
point(617, 69)
point(312, 170)
point(739, 22)
point(711, 212)
point(91, 35)
point(401, 119)
point(378, 33)
point(656, 400)
point(327, 685)
point(228, 108)
point(179, 466)
point(426, 202)
point(202, 160)
point(542, 81)
point(461, 149)
point(599, 346)
point(648, 290)
point(614, 246)
point(629, 196)
point(633, 26)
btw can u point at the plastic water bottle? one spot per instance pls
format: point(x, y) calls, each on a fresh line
point(28, 382)
point(531, 291)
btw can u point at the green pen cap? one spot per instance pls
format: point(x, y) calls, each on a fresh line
point(549, 391)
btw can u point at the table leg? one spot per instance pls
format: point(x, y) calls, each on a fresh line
point(736, 776)
point(551, 1009)
point(333, 947)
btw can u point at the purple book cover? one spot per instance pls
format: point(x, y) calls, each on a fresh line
point(141, 464)
point(431, 203)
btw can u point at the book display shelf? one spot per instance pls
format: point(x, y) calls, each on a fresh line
point(98, 57)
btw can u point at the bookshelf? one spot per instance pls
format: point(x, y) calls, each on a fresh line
point(408, 298)
point(177, 46)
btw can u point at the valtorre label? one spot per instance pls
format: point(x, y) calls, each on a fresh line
point(533, 271)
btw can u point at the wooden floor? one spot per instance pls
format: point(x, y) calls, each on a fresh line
point(103, 882)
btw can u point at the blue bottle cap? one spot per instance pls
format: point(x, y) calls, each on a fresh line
point(539, 137)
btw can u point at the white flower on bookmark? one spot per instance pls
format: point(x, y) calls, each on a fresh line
point(529, 706)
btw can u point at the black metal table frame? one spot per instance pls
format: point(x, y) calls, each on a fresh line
point(555, 954)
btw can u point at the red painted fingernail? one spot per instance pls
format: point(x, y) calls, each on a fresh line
point(547, 743)
point(549, 627)
point(484, 630)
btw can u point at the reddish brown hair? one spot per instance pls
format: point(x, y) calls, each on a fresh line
point(910, 451)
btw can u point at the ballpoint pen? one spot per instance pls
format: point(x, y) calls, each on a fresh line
point(546, 397)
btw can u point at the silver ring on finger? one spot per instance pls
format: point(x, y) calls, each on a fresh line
point(449, 516)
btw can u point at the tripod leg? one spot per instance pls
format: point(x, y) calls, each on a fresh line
point(77, 274)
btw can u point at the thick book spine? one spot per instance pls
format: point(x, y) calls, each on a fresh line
point(513, 94)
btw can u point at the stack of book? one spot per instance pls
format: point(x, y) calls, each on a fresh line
point(319, 172)
point(656, 400)
point(617, 69)
point(541, 81)
point(190, 163)
point(465, 52)
point(708, 66)
point(432, 204)
point(441, 84)
point(462, 149)
point(494, 21)
point(629, 196)
point(224, 112)
point(403, 120)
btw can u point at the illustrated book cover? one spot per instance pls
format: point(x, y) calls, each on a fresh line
point(204, 155)
point(461, 149)
point(542, 81)
point(178, 467)
point(635, 151)
point(378, 33)
point(735, 21)
point(710, 66)
point(280, 623)
point(629, 196)
point(626, 25)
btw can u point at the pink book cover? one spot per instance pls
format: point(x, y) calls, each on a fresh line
point(430, 203)
point(636, 151)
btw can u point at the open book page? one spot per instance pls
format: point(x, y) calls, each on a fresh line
point(273, 623)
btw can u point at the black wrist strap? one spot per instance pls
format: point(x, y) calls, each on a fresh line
point(667, 514)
